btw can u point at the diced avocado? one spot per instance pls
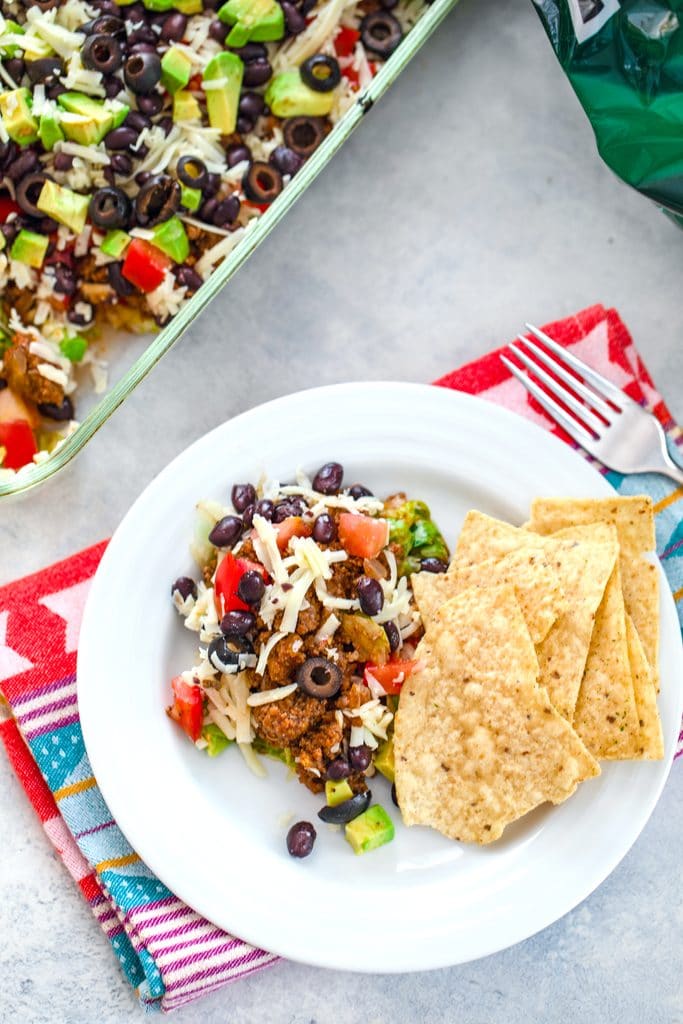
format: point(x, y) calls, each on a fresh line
point(185, 107)
point(277, 753)
point(222, 83)
point(336, 792)
point(288, 95)
point(190, 198)
point(63, 205)
point(171, 238)
point(384, 759)
point(259, 21)
point(3, 245)
point(367, 636)
point(189, 6)
point(86, 120)
point(30, 248)
point(176, 68)
point(115, 244)
point(11, 28)
point(158, 5)
point(216, 740)
point(370, 829)
point(119, 112)
point(21, 125)
point(73, 347)
point(50, 131)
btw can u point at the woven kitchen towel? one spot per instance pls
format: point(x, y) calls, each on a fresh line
point(169, 953)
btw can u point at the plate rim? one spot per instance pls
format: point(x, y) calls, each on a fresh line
point(520, 425)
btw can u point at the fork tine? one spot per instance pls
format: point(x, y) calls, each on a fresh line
point(555, 411)
point(558, 391)
point(589, 396)
point(602, 385)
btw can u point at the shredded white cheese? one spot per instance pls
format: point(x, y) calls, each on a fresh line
point(256, 700)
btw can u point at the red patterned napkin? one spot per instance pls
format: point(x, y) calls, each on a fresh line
point(169, 953)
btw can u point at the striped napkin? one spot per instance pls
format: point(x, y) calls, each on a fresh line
point(168, 952)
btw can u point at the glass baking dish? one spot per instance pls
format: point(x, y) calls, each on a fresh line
point(152, 351)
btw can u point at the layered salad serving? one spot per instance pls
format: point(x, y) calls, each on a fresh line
point(138, 143)
point(307, 629)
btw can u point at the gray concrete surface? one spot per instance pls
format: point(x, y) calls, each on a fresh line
point(469, 200)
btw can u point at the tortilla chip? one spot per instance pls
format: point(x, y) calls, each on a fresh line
point(606, 718)
point(651, 742)
point(583, 562)
point(527, 569)
point(477, 742)
point(633, 518)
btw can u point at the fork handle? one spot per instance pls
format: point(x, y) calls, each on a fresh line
point(671, 469)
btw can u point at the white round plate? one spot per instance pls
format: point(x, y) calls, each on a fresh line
point(213, 832)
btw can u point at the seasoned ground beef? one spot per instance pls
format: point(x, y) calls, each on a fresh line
point(20, 370)
point(283, 722)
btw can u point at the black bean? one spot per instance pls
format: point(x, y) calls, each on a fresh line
point(328, 479)
point(394, 797)
point(150, 104)
point(188, 278)
point(121, 163)
point(248, 516)
point(47, 226)
point(265, 508)
point(244, 125)
point(53, 92)
point(360, 757)
point(46, 70)
point(185, 586)
point(301, 839)
point(237, 623)
point(324, 530)
point(347, 810)
point(63, 161)
point(174, 27)
point(10, 231)
point(61, 412)
point(433, 565)
point(257, 72)
point(393, 635)
point(294, 19)
point(107, 23)
point(242, 495)
point(83, 316)
point(251, 105)
point(338, 769)
point(23, 165)
point(236, 153)
point(15, 68)
point(219, 31)
point(207, 210)
point(357, 491)
point(213, 183)
point(65, 280)
point(137, 121)
point(166, 123)
point(118, 282)
point(251, 587)
point(286, 160)
point(370, 595)
point(251, 51)
point(142, 71)
point(142, 34)
point(120, 138)
point(226, 532)
point(112, 86)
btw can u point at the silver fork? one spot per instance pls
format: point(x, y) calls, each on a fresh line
point(597, 414)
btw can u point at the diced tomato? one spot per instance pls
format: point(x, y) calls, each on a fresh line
point(361, 535)
point(345, 41)
point(228, 576)
point(352, 77)
point(7, 206)
point(256, 206)
point(18, 440)
point(391, 676)
point(188, 707)
point(293, 526)
point(144, 265)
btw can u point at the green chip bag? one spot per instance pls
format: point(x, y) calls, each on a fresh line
point(624, 59)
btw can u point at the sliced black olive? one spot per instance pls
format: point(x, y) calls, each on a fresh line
point(191, 171)
point(142, 72)
point(321, 72)
point(157, 200)
point(28, 193)
point(229, 654)
point(346, 811)
point(45, 71)
point(319, 678)
point(63, 411)
point(262, 183)
point(107, 23)
point(380, 32)
point(304, 134)
point(110, 208)
point(102, 53)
